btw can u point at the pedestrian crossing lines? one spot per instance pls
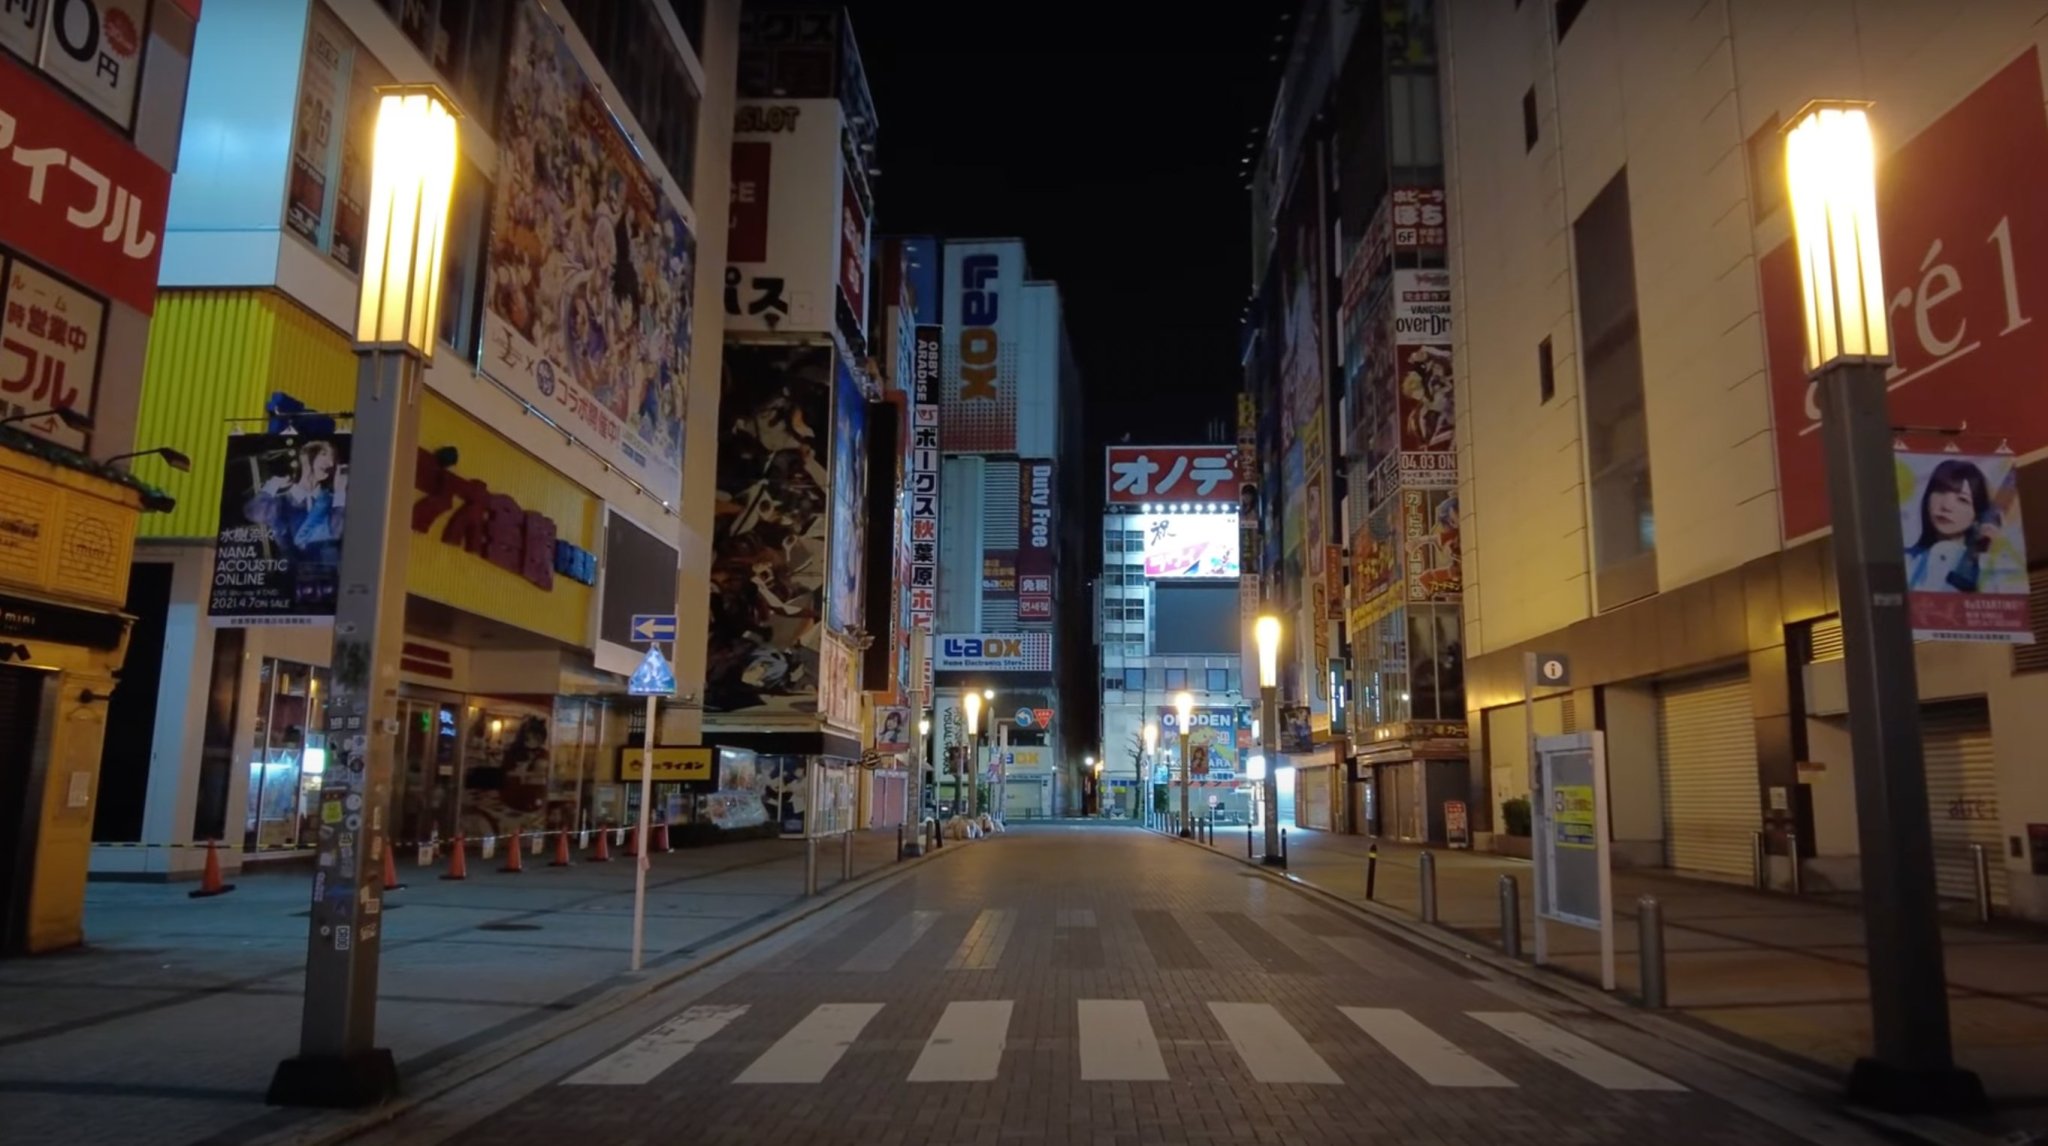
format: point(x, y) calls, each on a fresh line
point(1116, 1041)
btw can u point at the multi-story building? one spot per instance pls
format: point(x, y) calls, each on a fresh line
point(567, 423)
point(1643, 489)
point(91, 97)
point(1169, 621)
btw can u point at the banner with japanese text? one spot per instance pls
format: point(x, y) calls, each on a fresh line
point(277, 554)
point(1965, 549)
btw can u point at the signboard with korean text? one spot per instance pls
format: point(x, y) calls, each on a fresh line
point(1036, 537)
point(1965, 548)
point(995, 652)
point(984, 304)
point(49, 350)
point(924, 479)
point(277, 553)
point(605, 354)
point(1964, 260)
point(1173, 475)
point(74, 195)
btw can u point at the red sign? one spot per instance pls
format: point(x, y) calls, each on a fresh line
point(853, 251)
point(746, 234)
point(1173, 474)
point(490, 525)
point(76, 196)
point(1964, 231)
point(1043, 718)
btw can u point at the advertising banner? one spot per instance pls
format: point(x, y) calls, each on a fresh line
point(1963, 256)
point(49, 351)
point(1036, 536)
point(278, 550)
point(849, 500)
point(590, 268)
point(1375, 566)
point(769, 555)
point(994, 652)
point(1966, 552)
point(984, 304)
point(1420, 219)
point(1192, 545)
point(1212, 732)
point(892, 729)
point(1432, 568)
point(924, 479)
point(1204, 475)
point(327, 197)
point(74, 195)
point(785, 263)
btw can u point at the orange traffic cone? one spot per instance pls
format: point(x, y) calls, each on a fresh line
point(603, 852)
point(562, 849)
point(512, 862)
point(458, 858)
point(391, 868)
point(661, 838)
point(209, 880)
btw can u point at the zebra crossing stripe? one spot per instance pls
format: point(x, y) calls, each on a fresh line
point(882, 952)
point(1436, 1059)
point(1270, 1046)
point(1598, 1066)
point(639, 1061)
point(967, 1045)
point(983, 947)
point(814, 1046)
point(1117, 1043)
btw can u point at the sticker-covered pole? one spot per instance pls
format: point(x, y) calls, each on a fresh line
point(647, 743)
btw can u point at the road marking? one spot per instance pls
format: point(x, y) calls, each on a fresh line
point(967, 1045)
point(1601, 1067)
point(812, 1047)
point(639, 1061)
point(1271, 1049)
point(1435, 1058)
point(983, 947)
point(1117, 1043)
point(882, 952)
point(1380, 960)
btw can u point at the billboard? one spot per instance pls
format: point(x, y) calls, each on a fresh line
point(1431, 560)
point(924, 479)
point(1036, 536)
point(588, 315)
point(784, 259)
point(1214, 731)
point(1192, 545)
point(1966, 552)
point(993, 652)
point(1958, 253)
point(1204, 475)
point(49, 351)
point(769, 555)
point(1420, 217)
point(849, 499)
point(277, 554)
point(984, 311)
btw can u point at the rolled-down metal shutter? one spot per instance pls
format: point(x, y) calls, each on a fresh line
point(1962, 797)
point(1706, 747)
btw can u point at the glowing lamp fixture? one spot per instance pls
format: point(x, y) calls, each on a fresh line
point(1831, 170)
point(412, 179)
point(1184, 707)
point(972, 701)
point(924, 726)
point(1267, 632)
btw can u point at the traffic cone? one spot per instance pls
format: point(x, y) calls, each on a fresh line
point(633, 842)
point(512, 861)
point(661, 839)
point(209, 880)
point(603, 853)
point(391, 869)
point(458, 858)
point(562, 850)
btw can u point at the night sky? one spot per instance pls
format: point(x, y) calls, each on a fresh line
point(1113, 150)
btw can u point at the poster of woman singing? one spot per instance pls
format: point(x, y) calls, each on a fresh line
point(278, 551)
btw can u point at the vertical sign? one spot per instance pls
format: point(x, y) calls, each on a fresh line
point(1035, 542)
point(49, 351)
point(924, 479)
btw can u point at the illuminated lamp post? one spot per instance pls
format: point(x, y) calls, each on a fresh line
point(1266, 631)
point(1144, 784)
point(972, 765)
point(1184, 707)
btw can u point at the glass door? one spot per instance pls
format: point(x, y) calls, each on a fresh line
point(429, 774)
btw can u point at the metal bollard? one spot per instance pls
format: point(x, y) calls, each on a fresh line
point(1283, 849)
point(1792, 853)
point(1425, 869)
point(810, 865)
point(1650, 950)
point(1759, 866)
point(846, 857)
point(1248, 840)
point(1510, 918)
point(1981, 868)
point(899, 842)
point(1372, 868)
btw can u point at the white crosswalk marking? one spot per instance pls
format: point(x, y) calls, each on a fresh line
point(882, 952)
point(639, 1061)
point(1435, 1058)
point(814, 1046)
point(1595, 1065)
point(1271, 1049)
point(967, 1045)
point(983, 946)
point(1117, 1043)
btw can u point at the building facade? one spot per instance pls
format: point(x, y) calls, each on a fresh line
point(90, 106)
point(1642, 489)
point(567, 421)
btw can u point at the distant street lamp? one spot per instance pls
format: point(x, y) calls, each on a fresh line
point(1831, 166)
point(1184, 707)
point(971, 765)
point(1266, 631)
point(412, 176)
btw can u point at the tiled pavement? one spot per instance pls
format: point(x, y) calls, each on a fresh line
point(1103, 985)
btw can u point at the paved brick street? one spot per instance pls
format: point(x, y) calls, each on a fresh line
point(1082, 983)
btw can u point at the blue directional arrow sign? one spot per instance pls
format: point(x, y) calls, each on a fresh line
point(1024, 718)
point(654, 627)
point(654, 677)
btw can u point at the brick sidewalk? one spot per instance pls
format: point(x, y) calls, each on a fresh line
point(167, 1025)
point(1781, 972)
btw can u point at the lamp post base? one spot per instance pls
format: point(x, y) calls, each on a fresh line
point(1908, 1090)
point(342, 1082)
point(1272, 861)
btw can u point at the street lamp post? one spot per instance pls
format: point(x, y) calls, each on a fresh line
point(1144, 785)
point(1184, 707)
point(1088, 765)
point(972, 765)
point(412, 177)
point(1830, 164)
point(1266, 630)
point(913, 777)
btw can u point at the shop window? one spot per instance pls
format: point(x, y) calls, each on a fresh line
point(288, 759)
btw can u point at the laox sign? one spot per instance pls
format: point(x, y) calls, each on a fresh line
point(980, 303)
point(983, 648)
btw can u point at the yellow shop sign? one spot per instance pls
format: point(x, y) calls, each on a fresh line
point(670, 764)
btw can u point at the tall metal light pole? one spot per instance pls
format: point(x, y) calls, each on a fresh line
point(1266, 631)
point(412, 175)
point(1831, 165)
point(971, 700)
point(1184, 707)
point(1144, 783)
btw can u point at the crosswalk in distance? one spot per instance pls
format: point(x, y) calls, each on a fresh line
point(1116, 1040)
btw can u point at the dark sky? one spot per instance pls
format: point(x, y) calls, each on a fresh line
point(1113, 150)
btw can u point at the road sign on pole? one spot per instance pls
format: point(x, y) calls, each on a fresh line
point(654, 677)
point(654, 627)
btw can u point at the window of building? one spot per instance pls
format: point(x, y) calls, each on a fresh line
point(1567, 15)
point(1546, 372)
point(464, 40)
point(1529, 120)
point(1766, 170)
point(1617, 434)
point(1135, 571)
point(1176, 679)
point(644, 64)
point(1136, 643)
point(1135, 608)
point(289, 756)
point(462, 275)
point(1134, 680)
point(1219, 680)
